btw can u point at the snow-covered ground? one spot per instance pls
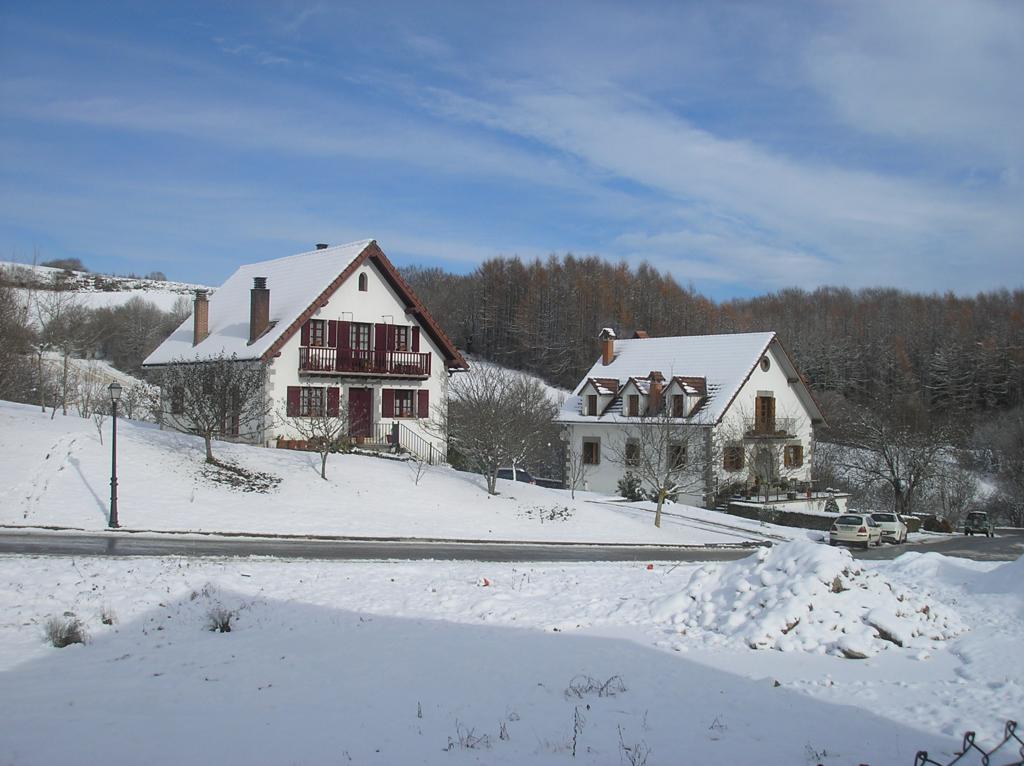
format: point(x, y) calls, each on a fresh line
point(441, 662)
point(100, 290)
point(55, 472)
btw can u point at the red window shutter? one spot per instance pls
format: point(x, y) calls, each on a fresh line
point(332, 333)
point(380, 337)
point(333, 401)
point(391, 337)
point(293, 401)
point(343, 335)
point(416, 339)
point(305, 334)
point(387, 408)
point(423, 403)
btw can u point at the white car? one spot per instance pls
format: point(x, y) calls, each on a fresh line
point(893, 526)
point(855, 529)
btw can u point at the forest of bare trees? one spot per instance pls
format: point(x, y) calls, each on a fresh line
point(943, 372)
point(956, 355)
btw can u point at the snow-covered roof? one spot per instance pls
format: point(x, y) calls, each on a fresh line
point(603, 386)
point(724, 361)
point(294, 282)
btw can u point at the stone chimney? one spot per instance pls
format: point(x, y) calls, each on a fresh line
point(607, 338)
point(654, 392)
point(259, 308)
point(200, 318)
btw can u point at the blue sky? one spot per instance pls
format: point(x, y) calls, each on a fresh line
point(744, 147)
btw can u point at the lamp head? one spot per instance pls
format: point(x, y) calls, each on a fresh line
point(115, 391)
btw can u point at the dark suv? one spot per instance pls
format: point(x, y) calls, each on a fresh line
point(977, 522)
point(520, 475)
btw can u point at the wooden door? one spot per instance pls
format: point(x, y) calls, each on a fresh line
point(360, 415)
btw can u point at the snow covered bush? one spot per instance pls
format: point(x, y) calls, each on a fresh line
point(803, 596)
point(64, 631)
point(218, 619)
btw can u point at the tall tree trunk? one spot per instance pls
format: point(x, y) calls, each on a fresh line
point(323, 466)
point(661, 502)
point(42, 388)
point(209, 448)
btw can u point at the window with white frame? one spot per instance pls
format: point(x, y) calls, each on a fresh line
point(360, 336)
point(312, 401)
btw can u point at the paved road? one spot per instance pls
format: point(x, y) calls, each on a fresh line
point(121, 544)
point(1005, 547)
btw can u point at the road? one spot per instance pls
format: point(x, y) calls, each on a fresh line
point(1005, 547)
point(121, 544)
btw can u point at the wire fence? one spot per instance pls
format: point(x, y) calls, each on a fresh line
point(971, 748)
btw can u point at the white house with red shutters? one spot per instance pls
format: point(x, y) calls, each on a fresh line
point(339, 330)
point(742, 413)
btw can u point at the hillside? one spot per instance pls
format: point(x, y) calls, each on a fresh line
point(56, 472)
point(99, 290)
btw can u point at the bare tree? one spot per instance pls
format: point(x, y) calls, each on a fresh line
point(1009, 449)
point(498, 418)
point(575, 468)
point(16, 341)
point(668, 455)
point(954, 490)
point(324, 428)
point(63, 328)
point(891, 445)
point(221, 396)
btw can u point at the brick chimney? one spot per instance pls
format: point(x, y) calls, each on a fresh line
point(654, 392)
point(259, 308)
point(607, 338)
point(200, 318)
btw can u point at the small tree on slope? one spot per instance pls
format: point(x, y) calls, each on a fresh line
point(498, 418)
point(221, 396)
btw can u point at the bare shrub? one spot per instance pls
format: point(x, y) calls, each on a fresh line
point(64, 631)
point(218, 619)
point(635, 754)
point(581, 686)
point(107, 616)
point(468, 739)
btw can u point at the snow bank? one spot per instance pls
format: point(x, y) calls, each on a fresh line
point(803, 596)
point(1007, 578)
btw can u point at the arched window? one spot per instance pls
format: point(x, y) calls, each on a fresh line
point(362, 283)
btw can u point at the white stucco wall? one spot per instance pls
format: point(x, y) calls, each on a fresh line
point(605, 476)
point(379, 304)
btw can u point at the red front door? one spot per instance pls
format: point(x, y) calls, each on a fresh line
point(360, 417)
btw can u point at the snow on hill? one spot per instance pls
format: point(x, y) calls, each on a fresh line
point(55, 472)
point(555, 394)
point(100, 290)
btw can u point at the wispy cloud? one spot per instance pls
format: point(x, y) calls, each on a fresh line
point(739, 145)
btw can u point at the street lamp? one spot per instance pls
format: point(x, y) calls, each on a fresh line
point(115, 396)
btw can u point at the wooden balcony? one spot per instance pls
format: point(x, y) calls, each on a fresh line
point(338, 361)
point(769, 428)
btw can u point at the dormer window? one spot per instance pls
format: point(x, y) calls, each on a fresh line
point(678, 406)
point(633, 406)
point(363, 282)
point(592, 404)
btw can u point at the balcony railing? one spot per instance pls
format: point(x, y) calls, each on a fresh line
point(769, 427)
point(364, 362)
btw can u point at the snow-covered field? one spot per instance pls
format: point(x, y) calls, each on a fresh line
point(440, 662)
point(102, 291)
point(55, 472)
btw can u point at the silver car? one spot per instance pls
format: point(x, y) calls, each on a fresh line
point(855, 529)
point(894, 528)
